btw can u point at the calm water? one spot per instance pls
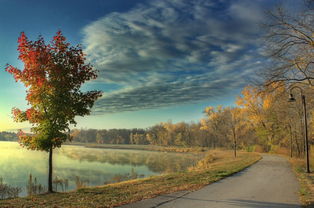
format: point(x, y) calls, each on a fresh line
point(94, 166)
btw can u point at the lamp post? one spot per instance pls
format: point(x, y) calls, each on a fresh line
point(306, 141)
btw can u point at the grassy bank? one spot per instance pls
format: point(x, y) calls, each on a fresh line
point(143, 147)
point(306, 182)
point(215, 166)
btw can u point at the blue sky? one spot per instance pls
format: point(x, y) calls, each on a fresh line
point(158, 60)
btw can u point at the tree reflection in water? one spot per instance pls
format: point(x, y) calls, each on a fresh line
point(158, 162)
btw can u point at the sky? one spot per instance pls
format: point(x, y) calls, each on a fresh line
point(158, 60)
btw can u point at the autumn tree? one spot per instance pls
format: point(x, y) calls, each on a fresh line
point(257, 105)
point(53, 75)
point(138, 138)
point(289, 44)
point(277, 122)
point(236, 124)
point(215, 123)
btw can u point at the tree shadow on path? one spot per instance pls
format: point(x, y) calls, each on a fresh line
point(261, 204)
point(235, 203)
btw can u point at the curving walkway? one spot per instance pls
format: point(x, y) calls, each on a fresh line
point(270, 183)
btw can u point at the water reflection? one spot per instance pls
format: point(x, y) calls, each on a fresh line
point(97, 166)
point(158, 162)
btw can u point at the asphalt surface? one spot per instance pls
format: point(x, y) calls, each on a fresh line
point(270, 183)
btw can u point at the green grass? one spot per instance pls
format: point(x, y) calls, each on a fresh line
point(134, 190)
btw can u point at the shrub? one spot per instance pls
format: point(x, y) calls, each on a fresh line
point(7, 191)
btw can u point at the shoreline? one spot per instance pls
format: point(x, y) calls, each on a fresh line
point(157, 148)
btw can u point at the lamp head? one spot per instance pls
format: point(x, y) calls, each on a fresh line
point(291, 98)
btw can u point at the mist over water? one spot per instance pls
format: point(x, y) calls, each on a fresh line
point(94, 166)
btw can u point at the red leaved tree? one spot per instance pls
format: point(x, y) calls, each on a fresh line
point(53, 74)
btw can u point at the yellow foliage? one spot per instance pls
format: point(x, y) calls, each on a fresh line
point(267, 102)
point(204, 125)
point(205, 163)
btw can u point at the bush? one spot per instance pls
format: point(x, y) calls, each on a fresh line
point(7, 191)
point(250, 148)
point(205, 163)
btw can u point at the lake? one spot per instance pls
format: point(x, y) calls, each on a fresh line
point(92, 166)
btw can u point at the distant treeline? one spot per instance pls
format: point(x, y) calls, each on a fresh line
point(165, 134)
point(8, 136)
point(110, 136)
point(180, 134)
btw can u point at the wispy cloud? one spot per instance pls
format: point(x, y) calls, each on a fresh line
point(169, 52)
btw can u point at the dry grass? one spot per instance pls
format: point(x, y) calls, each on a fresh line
point(144, 147)
point(130, 191)
point(306, 181)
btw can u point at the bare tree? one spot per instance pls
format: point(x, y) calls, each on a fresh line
point(290, 45)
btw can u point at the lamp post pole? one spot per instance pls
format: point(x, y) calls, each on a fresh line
point(306, 140)
point(306, 136)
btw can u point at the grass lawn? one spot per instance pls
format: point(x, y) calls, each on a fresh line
point(215, 166)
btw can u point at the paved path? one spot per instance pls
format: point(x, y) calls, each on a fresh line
point(269, 183)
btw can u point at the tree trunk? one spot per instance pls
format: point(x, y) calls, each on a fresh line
point(291, 139)
point(235, 143)
point(213, 143)
point(235, 148)
point(297, 144)
point(50, 172)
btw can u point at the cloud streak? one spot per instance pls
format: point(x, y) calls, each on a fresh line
point(170, 52)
